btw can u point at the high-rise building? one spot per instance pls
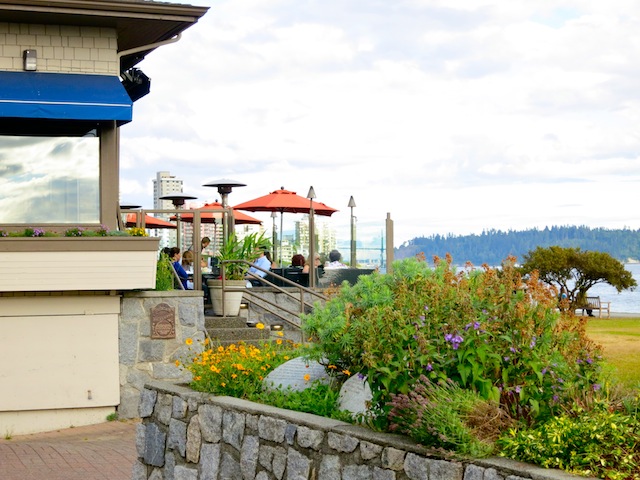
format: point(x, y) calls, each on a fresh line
point(164, 184)
point(325, 236)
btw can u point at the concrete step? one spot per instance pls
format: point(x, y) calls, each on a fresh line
point(225, 322)
point(227, 336)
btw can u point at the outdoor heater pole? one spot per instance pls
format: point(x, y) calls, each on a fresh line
point(312, 247)
point(274, 234)
point(354, 262)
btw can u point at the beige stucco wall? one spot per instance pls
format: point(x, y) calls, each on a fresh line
point(65, 271)
point(60, 361)
point(60, 48)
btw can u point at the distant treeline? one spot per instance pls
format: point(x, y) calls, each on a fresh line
point(493, 246)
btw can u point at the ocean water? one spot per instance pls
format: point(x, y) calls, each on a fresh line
point(623, 302)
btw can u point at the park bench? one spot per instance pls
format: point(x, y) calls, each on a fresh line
point(594, 303)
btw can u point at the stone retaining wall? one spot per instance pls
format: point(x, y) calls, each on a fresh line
point(142, 358)
point(186, 435)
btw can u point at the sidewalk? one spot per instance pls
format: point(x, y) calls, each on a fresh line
point(97, 452)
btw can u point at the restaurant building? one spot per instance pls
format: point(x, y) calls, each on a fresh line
point(68, 83)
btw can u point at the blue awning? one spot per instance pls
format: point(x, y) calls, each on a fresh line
point(64, 96)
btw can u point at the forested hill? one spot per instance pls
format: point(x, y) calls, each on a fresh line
point(493, 246)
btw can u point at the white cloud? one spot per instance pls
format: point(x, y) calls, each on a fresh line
point(453, 118)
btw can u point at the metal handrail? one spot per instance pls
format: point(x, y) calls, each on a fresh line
point(300, 297)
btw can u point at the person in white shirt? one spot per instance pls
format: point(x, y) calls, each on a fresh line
point(263, 262)
point(334, 260)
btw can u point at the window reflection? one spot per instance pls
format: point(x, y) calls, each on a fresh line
point(49, 179)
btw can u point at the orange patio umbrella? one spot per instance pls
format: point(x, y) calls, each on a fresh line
point(210, 217)
point(285, 201)
point(149, 222)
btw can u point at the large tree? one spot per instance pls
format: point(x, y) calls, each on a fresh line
point(577, 271)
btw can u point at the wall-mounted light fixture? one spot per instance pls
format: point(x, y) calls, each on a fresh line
point(30, 58)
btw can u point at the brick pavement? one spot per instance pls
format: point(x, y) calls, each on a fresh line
point(97, 452)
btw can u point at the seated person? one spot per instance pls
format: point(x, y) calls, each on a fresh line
point(334, 260)
point(264, 263)
point(297, 261)
point(187, 264)
point(268, 255)
point(182, 275)
point(307, 264)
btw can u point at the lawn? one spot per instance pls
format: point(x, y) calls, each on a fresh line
point(620, 340)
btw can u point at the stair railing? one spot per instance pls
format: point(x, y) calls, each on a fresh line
point(299, 296)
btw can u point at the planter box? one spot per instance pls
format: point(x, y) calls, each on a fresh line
point(46, 264)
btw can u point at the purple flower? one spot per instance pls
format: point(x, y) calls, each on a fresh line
point(476, 325)
point(589, 361)
point(513, 350)
point(361, 376)
point(429, 367)
point(518, 389)
point(506, 359)
point(455, 340)
point(533, 342)
point(448, 337)
point(467, 327)
point(544, 370)
point(596, 387)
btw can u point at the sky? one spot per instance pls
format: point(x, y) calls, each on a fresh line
point(451, 117)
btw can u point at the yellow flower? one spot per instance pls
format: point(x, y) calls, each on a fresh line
point(279, 342)
point(206, 341)
point(307, 377)
point(223, 384)
point(346, 372)
point(260, 326)
point(177, 363)
point(221, 349)
point(234, 375)
point(280, 334)
point(188, 341)
point(332, 367)
point(197, 378)
point(286, 357)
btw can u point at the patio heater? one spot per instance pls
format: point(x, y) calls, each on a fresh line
point(354, 262)
point(312, 244)
point(178, 199)
point(225, 186)
point(126, 206)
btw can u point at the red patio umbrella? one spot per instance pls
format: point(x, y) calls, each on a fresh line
point(285, 201)
point(209, 217)
point(149, 222)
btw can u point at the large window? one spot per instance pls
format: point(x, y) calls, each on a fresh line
point(50, 179)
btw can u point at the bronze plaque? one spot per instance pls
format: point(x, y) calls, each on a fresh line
point(163, 321)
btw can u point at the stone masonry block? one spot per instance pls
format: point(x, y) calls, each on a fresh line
point(209, 465)
point(298, 465)
point(271, 429)
point(147, 402)
point(233, 428)
point(177, 437)
point(154, 444)
point(309, 438)
point(210, 423)
point(249, 456)
point(416, 467)
point(393, 458)
point(445, 470)
point(342, 443)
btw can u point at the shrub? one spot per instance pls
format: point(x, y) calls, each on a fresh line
point(486, 329)
point(164, 273)
point(594, 442)
point(445, 415)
